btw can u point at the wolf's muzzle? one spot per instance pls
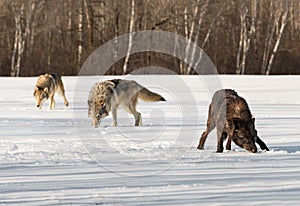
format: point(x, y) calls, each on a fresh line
point(103, 112)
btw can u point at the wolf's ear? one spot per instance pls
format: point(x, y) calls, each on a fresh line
point(46, 89)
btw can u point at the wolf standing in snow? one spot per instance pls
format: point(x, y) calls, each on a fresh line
point(46, 87)
point(232, 117)
point(106, 96)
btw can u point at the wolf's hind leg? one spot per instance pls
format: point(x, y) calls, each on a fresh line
point(209, 127)
point(65, 100)
point(61, 92)
point(138, 118)
point(136, 114)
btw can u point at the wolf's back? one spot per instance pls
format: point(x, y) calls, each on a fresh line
point(44, 81)
point(148, 96)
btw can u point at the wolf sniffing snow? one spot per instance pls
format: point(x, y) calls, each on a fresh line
point(46, 87)
point(231, 115)
point(108, 95)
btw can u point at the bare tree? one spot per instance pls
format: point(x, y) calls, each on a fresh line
point(195, 43)
point(284, 21)
point(80, 34)
point(131, 24)
point(244, 44)
point(21, 36)
point(188, 53)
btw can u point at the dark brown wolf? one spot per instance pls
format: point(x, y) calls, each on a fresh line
point(231, 115)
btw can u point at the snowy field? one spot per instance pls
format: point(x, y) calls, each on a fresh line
point(55, 157)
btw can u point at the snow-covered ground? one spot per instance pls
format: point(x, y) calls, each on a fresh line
point(55, 157)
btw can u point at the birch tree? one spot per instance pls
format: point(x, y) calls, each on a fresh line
point(243, 45)
point(116, 31)
point(80, 35)
point(284, 21)
point(188, 52)
point(195, 43)
point(186, 33)
point(130, 36)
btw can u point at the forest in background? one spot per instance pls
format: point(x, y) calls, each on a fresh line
point(240, 36)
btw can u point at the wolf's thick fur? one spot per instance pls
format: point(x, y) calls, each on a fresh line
point(108, 95)
point(46, 87)
point(231, 115)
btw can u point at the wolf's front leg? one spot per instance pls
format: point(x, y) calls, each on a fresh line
point(262, 145)
point(114, 114)
point(52, 102)
point(221, 136)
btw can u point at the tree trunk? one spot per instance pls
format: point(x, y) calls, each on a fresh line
point(15, 48)
point(241, 44)
point(267, 49)
point(195, 43)
point(88, 22)
point(80, 36)
point(186, 32)
point(188, 53)
point(131, 24)
point(283, 24)
point(116, 30)
point(49, 50)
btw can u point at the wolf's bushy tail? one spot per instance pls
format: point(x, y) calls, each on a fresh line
point(148, 96)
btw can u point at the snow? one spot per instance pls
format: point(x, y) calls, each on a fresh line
point(55, 157)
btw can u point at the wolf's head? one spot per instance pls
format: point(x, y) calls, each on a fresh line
point(98, 110)
point(245, 134)
point(41, 95)
point(99, 101)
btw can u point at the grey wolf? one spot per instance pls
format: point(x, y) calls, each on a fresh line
point(231, 115)
point(108, 95)
point(46, 86)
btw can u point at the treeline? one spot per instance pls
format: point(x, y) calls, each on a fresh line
point(240, 36)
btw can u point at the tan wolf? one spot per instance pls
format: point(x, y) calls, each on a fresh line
point(108, 95)
point(46, 87)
